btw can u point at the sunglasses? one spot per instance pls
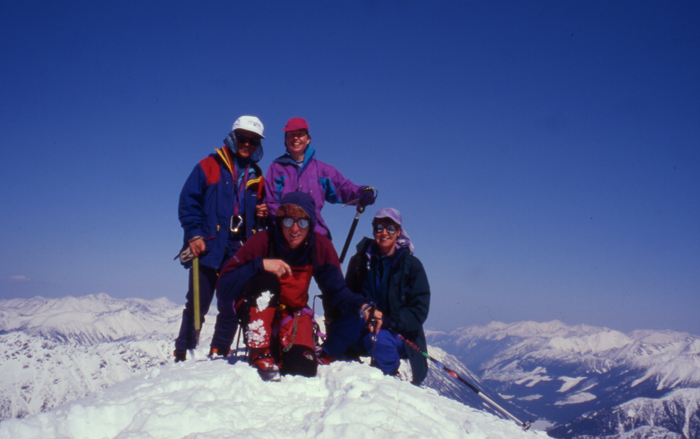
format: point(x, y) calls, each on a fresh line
point(390, 229)
point(303, 223)
point(240, 138)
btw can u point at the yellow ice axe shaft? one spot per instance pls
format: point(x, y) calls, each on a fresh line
point(195, 292)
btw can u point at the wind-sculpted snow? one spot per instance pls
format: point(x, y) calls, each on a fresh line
point(220, 400)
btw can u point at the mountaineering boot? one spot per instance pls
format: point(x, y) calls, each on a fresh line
point(258, 335)
point(215, 353)
point(180, 356)
point(265, 364)
point(323, 358)
point(270, 374)
point(257, 311)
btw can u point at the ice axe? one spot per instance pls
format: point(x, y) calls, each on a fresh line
point(195, 293)
point(260, 183)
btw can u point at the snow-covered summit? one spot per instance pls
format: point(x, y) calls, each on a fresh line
point(55, 351)
point(220, 400)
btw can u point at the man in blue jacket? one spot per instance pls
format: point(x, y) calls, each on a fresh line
point(218, 211)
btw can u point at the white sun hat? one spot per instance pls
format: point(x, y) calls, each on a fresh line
point(249, 123)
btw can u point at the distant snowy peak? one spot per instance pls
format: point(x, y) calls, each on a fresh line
point(640, 417)
point(581, 338)
point(556, 329)
point(674, 356)
point(89, 319)
point(499, 330)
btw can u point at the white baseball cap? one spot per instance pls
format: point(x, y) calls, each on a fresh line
point(249, 123)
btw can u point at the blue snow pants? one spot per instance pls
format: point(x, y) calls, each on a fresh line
point(350, 333)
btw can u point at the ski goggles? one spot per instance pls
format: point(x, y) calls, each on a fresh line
point(240, 138)
point(288, 222)
point(390, 229)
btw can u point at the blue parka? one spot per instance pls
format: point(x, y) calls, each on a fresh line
point(211, 194)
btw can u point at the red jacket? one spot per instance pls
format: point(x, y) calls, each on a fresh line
point(319, 261)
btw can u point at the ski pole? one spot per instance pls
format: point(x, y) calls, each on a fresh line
point(195, 293)
point(352, 232)
point(525, 425)
point(374, 333)
point(360, 210)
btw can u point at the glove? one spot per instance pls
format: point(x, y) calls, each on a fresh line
point(366, 197)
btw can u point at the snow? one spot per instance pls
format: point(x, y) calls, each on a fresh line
point(90, 319)
point(218, 399)
point(569, 383)
point(263, 301)
point(116, 355)
point(256, 333)
point(577, 398)
point(671, 358)
point(530, 398)
point(667, 359)
point(591, 343)
point(530, 379)
point(108, 373)
point(672, 417)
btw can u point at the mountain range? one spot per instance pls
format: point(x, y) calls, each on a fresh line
point(579, 382)
point(587, 381)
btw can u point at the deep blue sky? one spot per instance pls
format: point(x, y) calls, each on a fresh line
point(544, 154)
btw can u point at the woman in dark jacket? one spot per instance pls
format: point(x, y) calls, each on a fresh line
point(385, 271)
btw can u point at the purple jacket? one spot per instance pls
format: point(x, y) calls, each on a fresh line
point(320, 180)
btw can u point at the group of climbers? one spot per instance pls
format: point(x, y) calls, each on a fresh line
point(259, 242)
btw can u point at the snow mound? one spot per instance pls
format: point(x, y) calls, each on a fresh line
point(217, 399)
